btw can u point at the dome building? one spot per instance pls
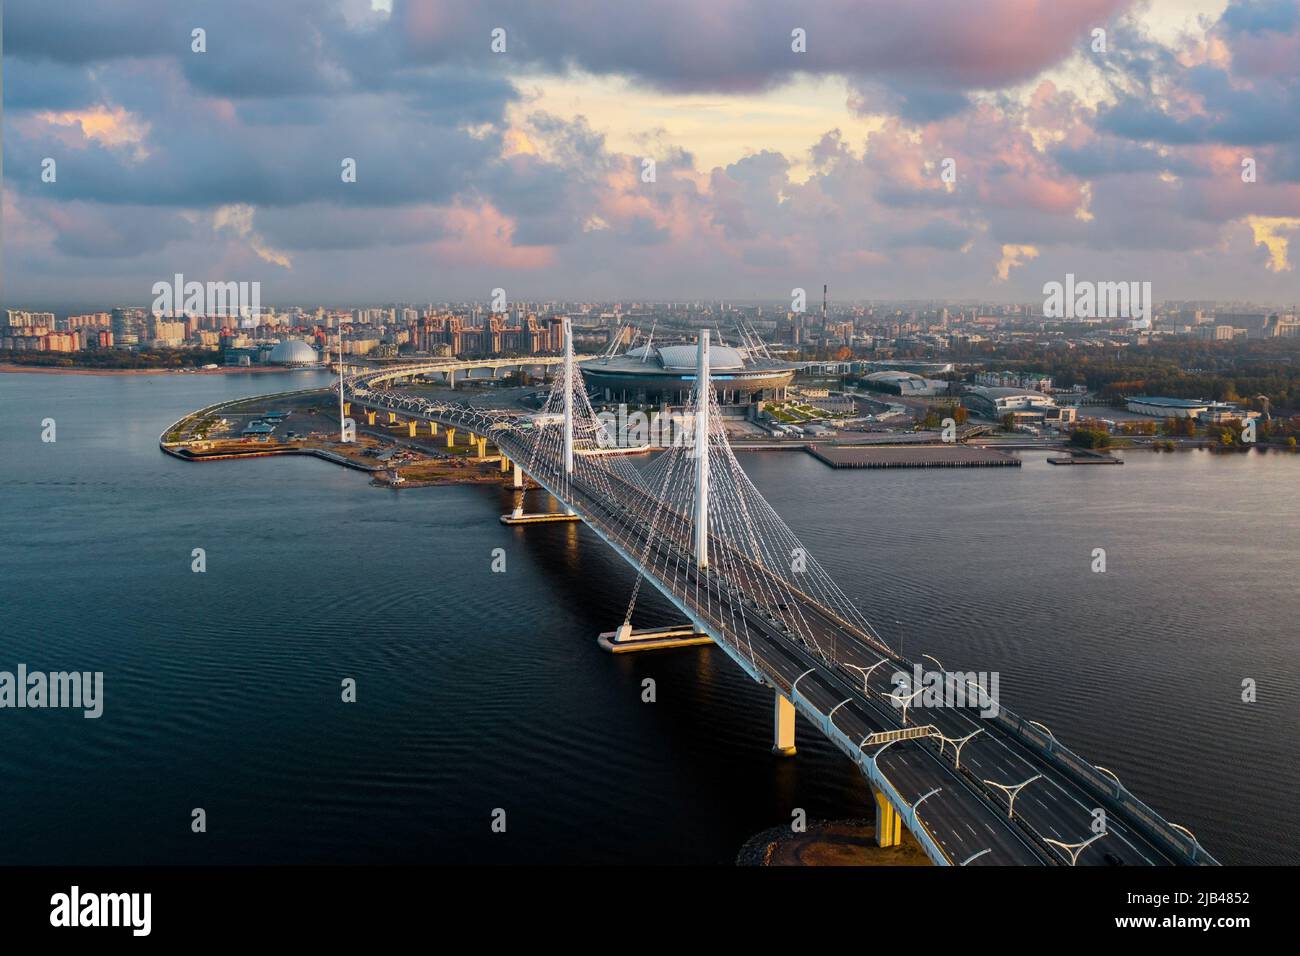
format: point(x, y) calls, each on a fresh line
point(899, 382)
point(293, 352)
point(655, 375)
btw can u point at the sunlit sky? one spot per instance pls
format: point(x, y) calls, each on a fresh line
point(523, 169)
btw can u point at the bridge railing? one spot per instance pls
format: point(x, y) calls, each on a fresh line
point(1153, 825)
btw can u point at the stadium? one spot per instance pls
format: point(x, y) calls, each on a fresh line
point(658, 375)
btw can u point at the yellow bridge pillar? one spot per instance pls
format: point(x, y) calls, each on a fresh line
point(505, 464)
point(889, 823)
point(783, 726)
point(411, 427)
point(451, 436)
point(347, 408)
point(392, 417)
point(433, 428)
point(480, 447)
point(370, 418)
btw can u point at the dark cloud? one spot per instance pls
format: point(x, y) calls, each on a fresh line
point(1259, 16)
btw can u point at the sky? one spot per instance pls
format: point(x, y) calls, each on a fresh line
point(528, 168)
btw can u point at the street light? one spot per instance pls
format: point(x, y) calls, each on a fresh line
point(957, 744)
point(1074, 849)
point(905, 702)
point(1013, 791)
point(865, 672)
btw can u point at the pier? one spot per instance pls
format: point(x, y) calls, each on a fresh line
point(912, 456)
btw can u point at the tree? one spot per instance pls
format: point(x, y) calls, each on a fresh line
point(1090, 438)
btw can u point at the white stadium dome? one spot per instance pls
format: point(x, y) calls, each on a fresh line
point(293, 352)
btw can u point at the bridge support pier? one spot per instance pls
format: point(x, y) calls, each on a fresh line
point(392, 417)
point(370, 418)
point(451, 436)
point(889, 823)
point(519, 476)
point(624, 640)
point(783, 726)
point(433, 428)
point(410, 427)
point(347, 408)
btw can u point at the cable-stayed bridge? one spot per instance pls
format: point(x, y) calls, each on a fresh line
point(974, 783)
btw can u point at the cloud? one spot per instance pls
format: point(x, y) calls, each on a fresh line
point(1268, 231)
point(1065, 161)
point(1013, 256)
point(114, 128)
point(237, 221)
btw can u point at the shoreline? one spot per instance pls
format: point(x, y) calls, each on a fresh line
point(433, 468)
point(223, 370)
point(828, 843)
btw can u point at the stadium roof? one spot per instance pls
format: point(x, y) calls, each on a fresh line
point(1171, 402)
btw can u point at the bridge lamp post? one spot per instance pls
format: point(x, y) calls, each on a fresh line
point(865, 672)
point(1043, 728)
point(1074, 849)
point(1110, 773)
point(957, 745)
point(1191, 836)
point(906, 701)
point(922, 799)
point(1013, 791)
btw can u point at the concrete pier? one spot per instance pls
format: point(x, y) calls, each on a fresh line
point(518, 517)
point(624, 639)
point(889, 823)
point(783, 726)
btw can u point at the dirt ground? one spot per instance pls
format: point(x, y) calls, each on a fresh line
point(829, 843)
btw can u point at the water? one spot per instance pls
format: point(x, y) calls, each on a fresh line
point(479, 691)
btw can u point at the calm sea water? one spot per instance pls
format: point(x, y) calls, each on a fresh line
point(479, 691)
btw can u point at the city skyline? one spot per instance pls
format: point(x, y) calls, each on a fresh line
point(773, 169)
